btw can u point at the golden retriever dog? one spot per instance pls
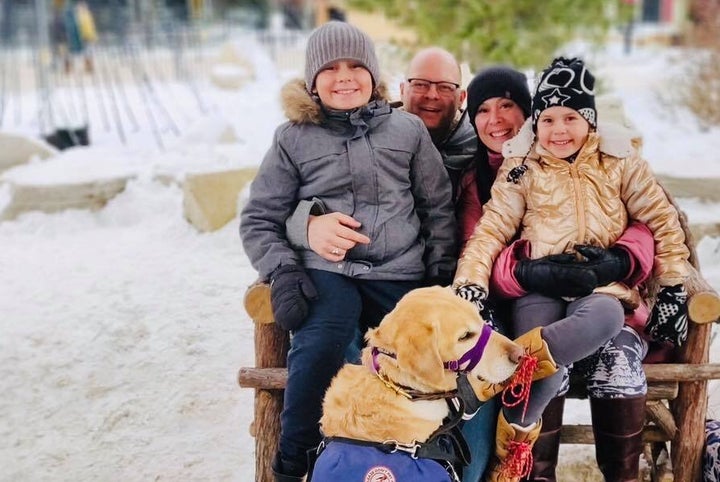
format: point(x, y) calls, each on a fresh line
point(418, 348)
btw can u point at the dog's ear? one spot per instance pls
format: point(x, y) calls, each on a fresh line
point(419, 354)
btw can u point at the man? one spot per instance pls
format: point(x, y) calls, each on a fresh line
point(432, 91)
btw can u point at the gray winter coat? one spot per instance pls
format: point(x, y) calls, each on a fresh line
point(458, 148)
point(377, 165)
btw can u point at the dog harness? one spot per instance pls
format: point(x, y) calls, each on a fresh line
point(344, 459)
point(350, 460)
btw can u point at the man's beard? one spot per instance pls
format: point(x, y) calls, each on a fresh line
point(442, 131)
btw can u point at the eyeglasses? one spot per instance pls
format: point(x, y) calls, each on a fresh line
point(422, 86)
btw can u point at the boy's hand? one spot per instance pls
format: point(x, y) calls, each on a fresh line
point(669, 318)
point(332, 235)
point(290, 290)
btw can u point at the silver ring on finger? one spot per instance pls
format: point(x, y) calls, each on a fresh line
point(335, 251)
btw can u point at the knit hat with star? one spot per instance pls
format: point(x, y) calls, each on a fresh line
point(567, 83)
point(338, 41)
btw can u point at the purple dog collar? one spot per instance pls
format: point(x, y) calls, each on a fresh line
point(473, 355)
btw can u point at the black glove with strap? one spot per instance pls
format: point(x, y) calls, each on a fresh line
point(610, 265)
point(556, 275)
point(290, 290)
point(669, 317)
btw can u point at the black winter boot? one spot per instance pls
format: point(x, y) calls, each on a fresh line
point(618, 425)
point(545, 450)
point(281, 471)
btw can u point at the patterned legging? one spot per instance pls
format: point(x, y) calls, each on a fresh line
point(613, 371)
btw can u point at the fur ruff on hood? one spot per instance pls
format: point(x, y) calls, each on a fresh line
point(301, 108)
point(615, 139)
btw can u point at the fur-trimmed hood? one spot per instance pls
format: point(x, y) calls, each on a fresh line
point(615, 140)
point(300, 107)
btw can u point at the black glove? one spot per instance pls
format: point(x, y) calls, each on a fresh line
point(465, 393)
point(290, 290)
point(669, 317)
point(556, 276)
point(478, 296)
point(443, 278)
point(610, 265)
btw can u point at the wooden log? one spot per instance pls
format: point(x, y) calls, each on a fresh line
point(275, 378)
point(703, 299)
point(265, 378)
point(690, 406)
point(662, 391)
point(659, 461)
point(271, 347)
point(681, 372)
point(583, 434)
point(656, 391)
point(662, 417)
point(257, 302)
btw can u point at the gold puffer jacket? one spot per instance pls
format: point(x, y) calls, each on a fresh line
point(556, 205)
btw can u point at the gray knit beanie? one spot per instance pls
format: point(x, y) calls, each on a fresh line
point(338, 41)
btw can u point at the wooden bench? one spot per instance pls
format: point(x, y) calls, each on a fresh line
point(676, 406)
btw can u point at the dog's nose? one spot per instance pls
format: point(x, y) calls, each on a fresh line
point(516, 353)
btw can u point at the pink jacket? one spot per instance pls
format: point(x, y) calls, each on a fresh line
point(468, 207)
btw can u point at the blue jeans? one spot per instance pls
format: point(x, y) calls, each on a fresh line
point(479, 432)
point(317, 350)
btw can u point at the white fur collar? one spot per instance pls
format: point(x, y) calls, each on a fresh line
point(615, 140)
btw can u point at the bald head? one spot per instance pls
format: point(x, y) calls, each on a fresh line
point(436, 109)
point(436, 60)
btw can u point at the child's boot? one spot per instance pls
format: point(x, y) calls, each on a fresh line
point(546, 448)
point(513, 451)
point(536, 353)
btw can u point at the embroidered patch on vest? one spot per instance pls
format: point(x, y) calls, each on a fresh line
point(380, 474)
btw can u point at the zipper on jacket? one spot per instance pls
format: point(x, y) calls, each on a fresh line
point(579, 204)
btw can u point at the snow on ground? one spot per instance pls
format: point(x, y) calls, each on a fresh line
point(123, 329)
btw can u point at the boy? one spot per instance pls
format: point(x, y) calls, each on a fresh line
point(345, 146)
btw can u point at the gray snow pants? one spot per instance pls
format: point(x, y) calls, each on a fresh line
point(588, 332)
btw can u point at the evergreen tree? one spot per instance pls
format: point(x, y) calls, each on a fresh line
point(524, 33)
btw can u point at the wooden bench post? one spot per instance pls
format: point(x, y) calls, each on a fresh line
point(271, 347)
point(690, 409)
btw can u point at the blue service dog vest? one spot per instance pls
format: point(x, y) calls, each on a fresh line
point(347, 462)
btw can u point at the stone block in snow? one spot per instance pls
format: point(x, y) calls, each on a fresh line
point(16, 149)
point(51, 198)
point(210, 199)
